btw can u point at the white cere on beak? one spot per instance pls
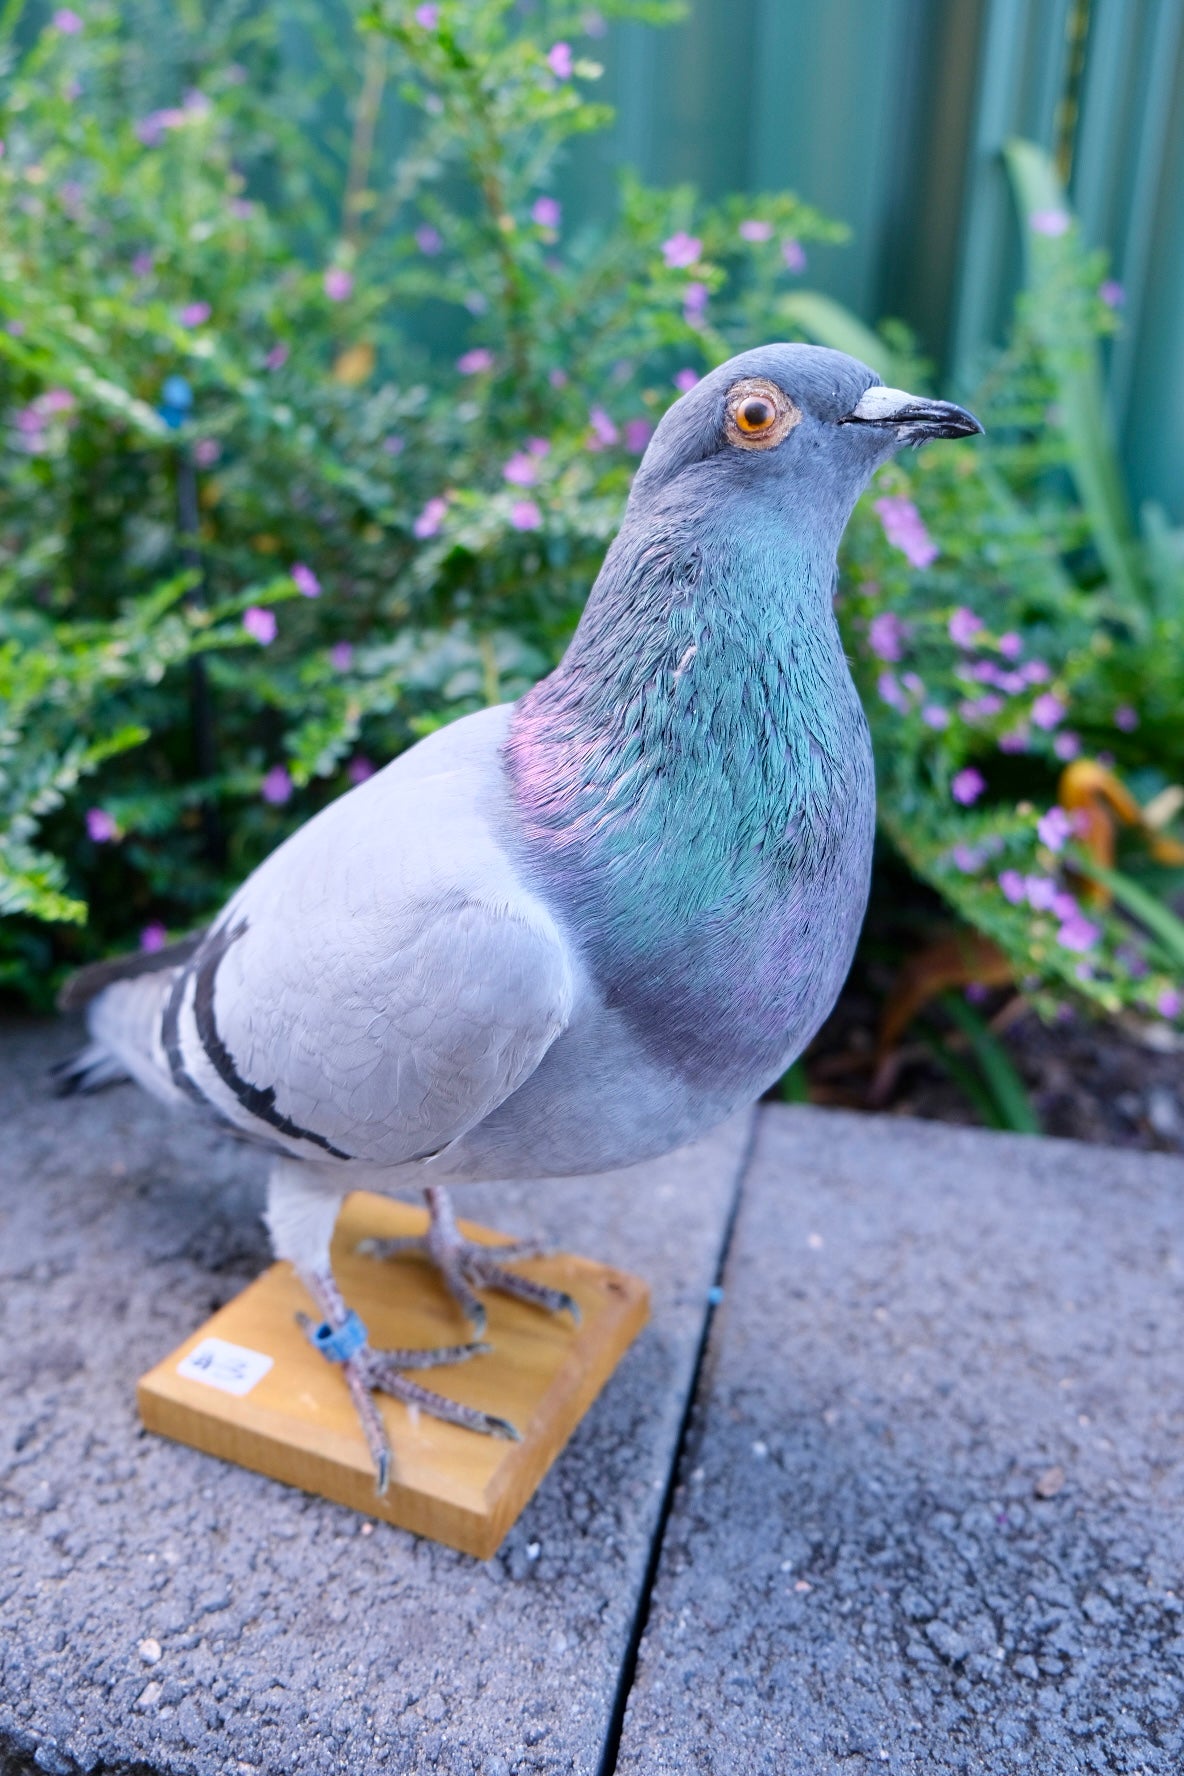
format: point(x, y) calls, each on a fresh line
point(879, 406)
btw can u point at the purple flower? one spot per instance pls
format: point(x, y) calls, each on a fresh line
point(1126, 718)
point(885, 634)
point(338, 283)
point(557, 378)
point(980, 708)
point(359, 768)
point(525, 515)
point(889, 691)
point(1036, 672)
point(143, 265)
point(1050, 222)
point(206, 452)
point(521, 470)
point(685, 380)
point(547, 212)
point(277, 357)
point(67, 22)
point(427, 17)
point(260, 622)
point(100, 826)
point(966, 859)
point(681, 250)
point(277, 786)
point(341, 656)
point(967, 785)
point(638, 433)
point(1054, 828)
point(1064, 905)
point(431, 518)
point(472, 363)
point(1067, 745)
point(242, 209)
point(305, 580)
point(1169, 1003)
point(976, 993)
point(153, 937)
point(195, 314)
point(964, 627)
point(1112, 294)
point(934, 716)
point(753, 229)
point(604, 432)
point(55, 400)
point(559, 60)
point(694, 304)
point(1077, 933)
point(794, 254)
point(1015, 740)
point(1013, 887)
point(1011, 645)
point(1048, 710)
point(905, 530)
point(1041, 892)
point(393, 444)
point(429, 240)
point(538, 446)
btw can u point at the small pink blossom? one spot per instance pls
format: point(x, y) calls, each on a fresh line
point(1126, 718)
point(153, 937)
point(1078, 933)
point(1015, 740)
point(195, 314)
point(1013, 887)
point(934, 716)
point(277, 357)
point(694, 304)
point(905, 530)
point(538, 446)
point(889, 691)
point(1050, 222)
point(431, 518)
point(1112, 293)
point(338, 284)
point(341, 656)
point(521, 470)
point(1041, 892)
point(305, 580)
point(67, 22)
point(359, 768)
point(525, 515)
point(559, 60)
point(967, 785)
point(472, 363)
point(966, 859)
point(546, 212)
point(206, 452)
point(964, 627)
point(753, 229)
point(100, 826)
point(976, 709)
point(427, 17)
point(429, 240)
point(1064, 905)
point(912, 681)
point(638, 433)
point(276, 786)
point(1054, 828)
point(682, 250)
point(604, 432)
point(1036, 672)
point(885, 636)
point(1048, 710)
point(685, 380)
point(1011, 645)
point(1067, 745)
point(1169, 1004)
point(260, 622)
point(55, 400)
point(143, 265)
point(794, 255)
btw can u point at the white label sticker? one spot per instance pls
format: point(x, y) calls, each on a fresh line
point(231, 1367)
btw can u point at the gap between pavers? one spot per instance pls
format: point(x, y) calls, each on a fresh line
point(292, 1641)
point(930, 1516)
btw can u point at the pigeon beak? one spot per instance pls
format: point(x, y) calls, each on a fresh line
point(913, 417)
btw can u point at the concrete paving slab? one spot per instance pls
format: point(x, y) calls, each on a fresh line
point(931, 1514)
point(160, 1611)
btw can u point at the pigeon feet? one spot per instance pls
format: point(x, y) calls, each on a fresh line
point(467, 1266)
point(341, 1337)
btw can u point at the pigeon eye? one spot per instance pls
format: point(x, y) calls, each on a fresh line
point(759, 414)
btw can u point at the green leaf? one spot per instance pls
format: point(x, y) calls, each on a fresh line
point(1150, 911)
point(1008, 1092)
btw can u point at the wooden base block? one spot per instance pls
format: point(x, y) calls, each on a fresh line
point(249, 1387)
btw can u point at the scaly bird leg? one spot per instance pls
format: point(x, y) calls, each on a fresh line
point(467, 1266)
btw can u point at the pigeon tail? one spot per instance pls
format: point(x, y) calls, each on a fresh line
point(124, 1000)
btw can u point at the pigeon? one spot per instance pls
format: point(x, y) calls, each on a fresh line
point(566, 934)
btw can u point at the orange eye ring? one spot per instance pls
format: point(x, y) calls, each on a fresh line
point(758, 414)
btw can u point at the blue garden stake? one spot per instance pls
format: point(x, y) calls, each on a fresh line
point(176, 402)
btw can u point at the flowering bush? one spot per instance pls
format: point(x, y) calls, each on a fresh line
point(310, 449)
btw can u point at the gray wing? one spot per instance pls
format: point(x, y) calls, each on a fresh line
point(385, 979)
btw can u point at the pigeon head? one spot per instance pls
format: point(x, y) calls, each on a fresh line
point(797, 430)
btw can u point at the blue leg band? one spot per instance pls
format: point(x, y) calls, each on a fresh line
point(341, 1344)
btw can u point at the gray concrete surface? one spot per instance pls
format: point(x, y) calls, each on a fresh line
point(290, 1639)
point(859, 1572)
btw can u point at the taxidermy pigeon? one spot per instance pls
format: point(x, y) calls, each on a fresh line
point(572, 932)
